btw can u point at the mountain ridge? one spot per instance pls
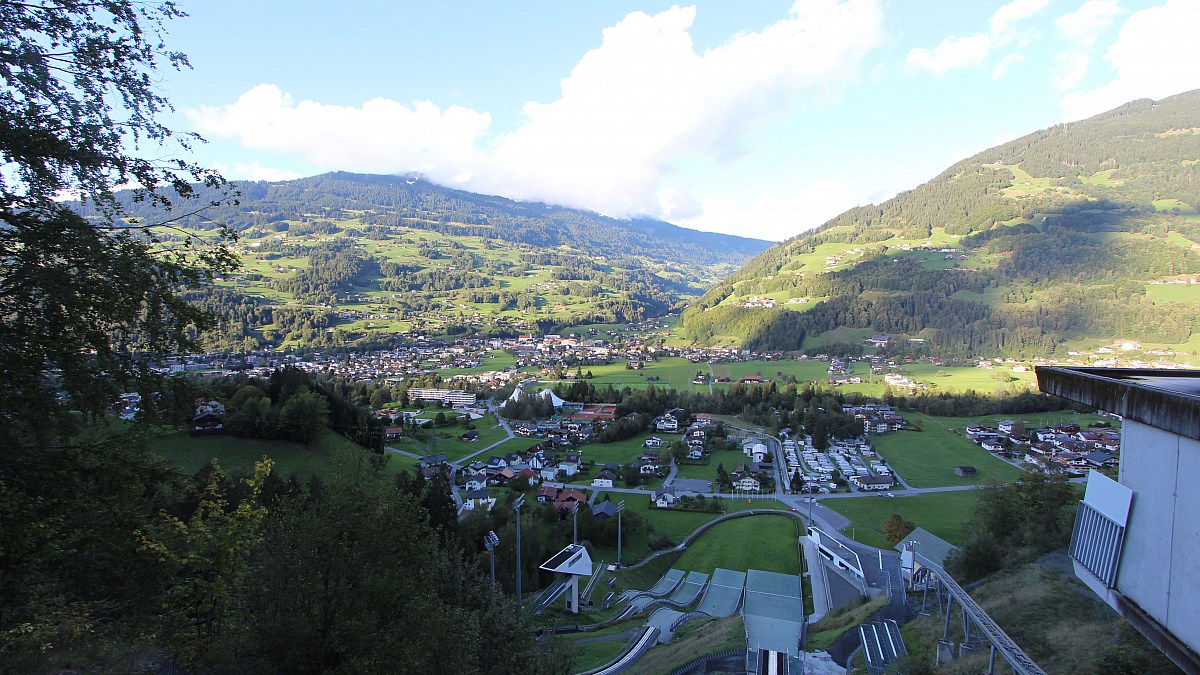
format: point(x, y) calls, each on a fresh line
point(341, 259)
point(1024, 249)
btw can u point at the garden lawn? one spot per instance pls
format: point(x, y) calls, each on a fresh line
point(622, 452)
point(671, 372)
point(767, 543)
point(942, 513)
point(697, 471)
point(587, 654)
point(927, 458)
point(447, 442)
point(1031, 420)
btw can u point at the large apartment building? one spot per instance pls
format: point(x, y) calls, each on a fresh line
point(447, 396)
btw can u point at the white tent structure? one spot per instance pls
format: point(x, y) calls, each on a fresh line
point(523, 390)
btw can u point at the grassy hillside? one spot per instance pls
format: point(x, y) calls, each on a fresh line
point(1081, 232)
point(1059, 623)
point(335, 258)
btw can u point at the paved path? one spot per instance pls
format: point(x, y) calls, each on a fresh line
point(404, 453)
point(817, 580)
point(671, 476)
point(509, 435)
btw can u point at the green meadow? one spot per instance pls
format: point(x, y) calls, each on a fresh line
point(927, 458)
point(767, 543)
point(942, 513)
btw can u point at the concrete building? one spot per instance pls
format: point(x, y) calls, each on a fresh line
point(1136, 542)
point(446, 396)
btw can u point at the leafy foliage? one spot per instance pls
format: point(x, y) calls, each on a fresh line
point(1013, 521)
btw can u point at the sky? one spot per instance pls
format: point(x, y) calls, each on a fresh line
point(760, 119)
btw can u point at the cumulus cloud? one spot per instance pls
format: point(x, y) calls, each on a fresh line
point(956, 52)
point(953, 53)
point(1005, 64)
point(776, 214)
point(1014, 12)
point(368, 138)
point(1085, 25)
point(1080, 30)
point(255, 171)
point(1154, 56)
point(627, 113)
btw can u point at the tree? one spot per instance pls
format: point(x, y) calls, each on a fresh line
point(207, 559)
point(631, 475)
point(722, 475)
point(679, 450)
point(80, 294)
point(83, 299)
point(304, 416)
point(896, 528)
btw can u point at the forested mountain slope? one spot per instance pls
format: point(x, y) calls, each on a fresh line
point(1078, 233)
point(338, 258)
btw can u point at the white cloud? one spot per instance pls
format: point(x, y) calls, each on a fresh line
point(629, 111)
point(1005, 63)
point(953, 53)
point(1069, 69)
point(1085, 25)
point(1154, 56)
point(646, 98)
point(1080, 30)
point(255, 171)
point(779, 214)
point(370, 138)
point(956, 52)
point(1015, 11)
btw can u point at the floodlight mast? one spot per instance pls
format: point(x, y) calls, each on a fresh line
point(575, 524)
point(517, 507)
point(620, 508)
point(490, 542)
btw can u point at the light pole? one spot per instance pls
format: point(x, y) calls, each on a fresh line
point(575, 524)
point(517, 507)
point(490, 542)
point(620, 508)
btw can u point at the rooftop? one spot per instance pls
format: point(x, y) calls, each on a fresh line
point(1167, 399)
point(573, 559)
point(928, 546)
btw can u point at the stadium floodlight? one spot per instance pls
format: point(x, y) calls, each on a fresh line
point(490, 542)
point(517, 507)
point(620, 508)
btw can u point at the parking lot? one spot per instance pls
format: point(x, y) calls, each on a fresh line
point(692, 485)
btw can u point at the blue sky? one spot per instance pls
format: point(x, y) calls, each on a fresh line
point(762, 119)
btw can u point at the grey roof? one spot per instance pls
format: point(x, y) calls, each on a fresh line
point(608, 509)
point(929, 546)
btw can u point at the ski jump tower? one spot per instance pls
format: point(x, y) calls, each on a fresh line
point(574, 562)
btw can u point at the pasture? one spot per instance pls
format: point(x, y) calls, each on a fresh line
point(927, 458)
point(237, 456)
point(942, 513)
